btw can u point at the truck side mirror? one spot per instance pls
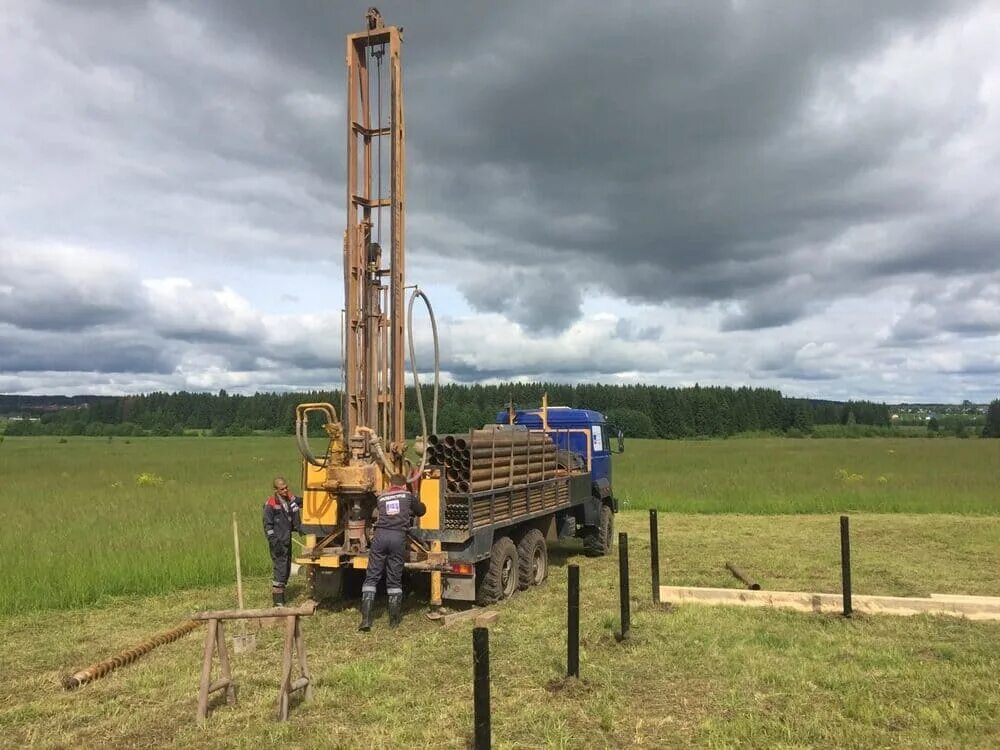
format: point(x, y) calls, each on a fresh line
point(621, 441)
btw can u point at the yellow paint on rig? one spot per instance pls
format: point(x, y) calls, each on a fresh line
point(436, 591)
point(324, 561)
point(360, 562)
point(430, 496)
point(319, 508)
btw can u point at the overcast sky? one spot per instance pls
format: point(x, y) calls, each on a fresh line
point(798, 195)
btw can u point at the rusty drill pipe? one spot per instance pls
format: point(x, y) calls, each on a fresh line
point(508, 448)
point(449, 441)
point(750, 582)
point(518, 458)
point(101, 668)
point(515, 461)
point(461, 443)
point(502, 482)
point(504, 472)
point(514, 437)
point(432, 440)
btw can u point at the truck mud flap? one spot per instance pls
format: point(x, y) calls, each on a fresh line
point(461, 588)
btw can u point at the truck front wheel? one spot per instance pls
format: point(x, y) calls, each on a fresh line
point(499, 581)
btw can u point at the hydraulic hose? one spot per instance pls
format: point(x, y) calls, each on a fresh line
point(417, 292)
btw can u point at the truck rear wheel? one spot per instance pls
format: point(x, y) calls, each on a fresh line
point(533, 559)
point(499, 581)
point(599, 539)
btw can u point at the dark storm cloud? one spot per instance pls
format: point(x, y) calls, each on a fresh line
point(751, 163)
point(98, 351)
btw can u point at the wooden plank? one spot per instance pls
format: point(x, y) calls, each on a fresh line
point(832, 603)
point(206, 669)
point(286, 669)
point(300, 648)
point(486, 619)
point(972, 599)
point(466, 614)
point(303, 610)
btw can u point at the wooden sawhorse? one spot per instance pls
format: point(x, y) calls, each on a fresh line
point(215, 641)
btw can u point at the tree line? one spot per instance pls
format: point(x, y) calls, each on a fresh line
point(641, 411)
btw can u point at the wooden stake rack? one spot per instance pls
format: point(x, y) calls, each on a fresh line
point(215, 643)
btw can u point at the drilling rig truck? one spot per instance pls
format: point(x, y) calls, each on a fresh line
point(495, 496)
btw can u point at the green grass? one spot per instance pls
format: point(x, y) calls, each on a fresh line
point(693, 677)
point(129, 537)
point(778, 475)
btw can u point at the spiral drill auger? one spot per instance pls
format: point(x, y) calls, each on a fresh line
point(100, 669)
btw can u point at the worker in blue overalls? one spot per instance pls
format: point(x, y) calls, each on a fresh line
point(397, 507)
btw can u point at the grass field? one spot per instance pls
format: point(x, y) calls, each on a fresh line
point(147, 536)
point(707, 677)
point(95, 561)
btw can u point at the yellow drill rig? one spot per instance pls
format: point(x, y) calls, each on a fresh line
point(367, 441)
point(496, 496)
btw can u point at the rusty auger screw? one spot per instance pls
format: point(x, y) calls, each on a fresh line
point(96, 671)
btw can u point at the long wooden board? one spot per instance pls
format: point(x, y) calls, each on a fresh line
point(972, 608)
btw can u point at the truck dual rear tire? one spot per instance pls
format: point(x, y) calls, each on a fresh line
point(599, 540)
point(533, 559)
point(499, 579)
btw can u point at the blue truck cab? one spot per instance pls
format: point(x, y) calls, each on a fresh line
point(583, 433)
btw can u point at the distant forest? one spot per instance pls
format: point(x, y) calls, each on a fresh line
point(640, 411)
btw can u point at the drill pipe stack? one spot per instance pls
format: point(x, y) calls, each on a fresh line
point(492, 458)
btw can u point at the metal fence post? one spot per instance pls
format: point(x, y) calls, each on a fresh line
point(573, 623)
point(623, 585)
point(481, 686)
point(845, 563)
point(654, 554)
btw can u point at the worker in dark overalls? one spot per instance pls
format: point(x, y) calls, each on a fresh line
point(397, 507)
point(282, 516)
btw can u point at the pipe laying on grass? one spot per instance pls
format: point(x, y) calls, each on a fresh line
point(100, 669)
point(750, 582)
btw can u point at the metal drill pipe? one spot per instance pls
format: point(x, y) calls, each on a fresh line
point(482, 439)
point(501, 482)
point(505, 449)
point(520, 458)
point(506, 472)
point(505, 452)
point(750, 583)
point(101, 668)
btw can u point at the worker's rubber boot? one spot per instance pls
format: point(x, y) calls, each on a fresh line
point(367, 602)
point(395, 609)
point(278, 597)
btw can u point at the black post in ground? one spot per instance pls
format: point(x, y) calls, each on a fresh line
point(623, 585)
point(481, 686)
point(573, 623)
point(654, 554)
point(845, 563)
